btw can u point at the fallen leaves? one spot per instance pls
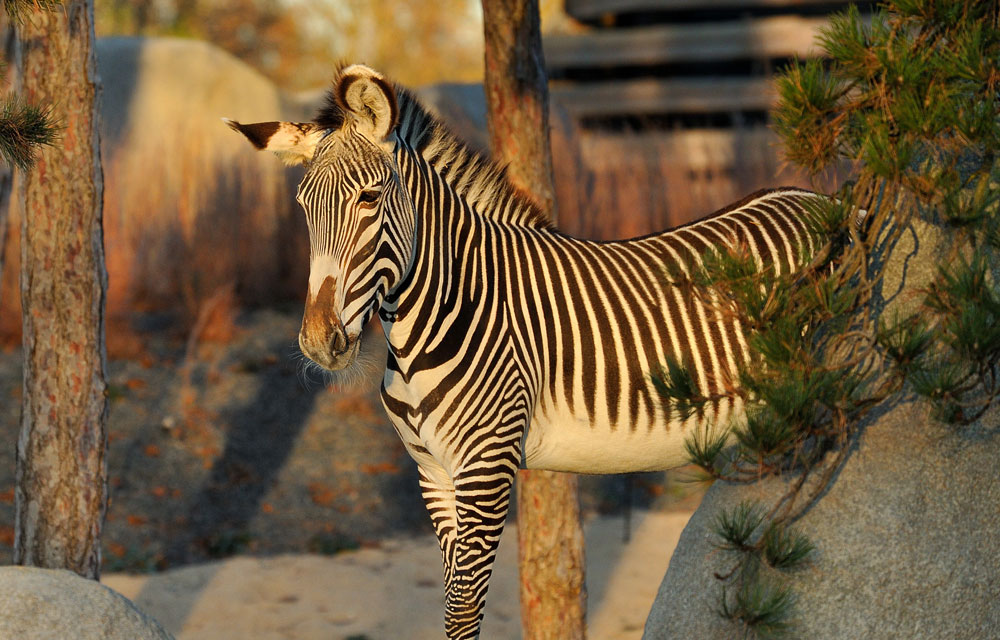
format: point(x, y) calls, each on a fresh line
point(356, 405)
point(321, 494)
point(380, 467)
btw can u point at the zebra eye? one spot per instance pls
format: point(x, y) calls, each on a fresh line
point(369, 196)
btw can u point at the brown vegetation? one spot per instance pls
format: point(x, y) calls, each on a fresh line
point(188, 212)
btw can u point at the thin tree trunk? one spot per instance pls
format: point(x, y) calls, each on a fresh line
point(550, 556)
point(6, 186)
point(550, 538)
point(8, 42)
point(61, 469)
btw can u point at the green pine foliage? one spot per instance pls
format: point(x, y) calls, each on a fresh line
point(754, 594)
point(908, 102)
point(761, 607)
point(705, 447)
point(909, 99)
point(905, 341)
point(784, 548)
point(25, 127)
point(19, 10)
point(676, 383)
point(737, 527)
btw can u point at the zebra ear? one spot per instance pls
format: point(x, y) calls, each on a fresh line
point(293, 142)
point(367, 95)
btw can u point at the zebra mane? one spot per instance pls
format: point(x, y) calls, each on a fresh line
point(476, 178)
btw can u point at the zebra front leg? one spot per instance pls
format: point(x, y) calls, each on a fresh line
point(482, 499)
point(439, 497)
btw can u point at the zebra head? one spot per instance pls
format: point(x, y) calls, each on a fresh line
point(359, 218)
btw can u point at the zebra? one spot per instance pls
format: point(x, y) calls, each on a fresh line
point(510, 344)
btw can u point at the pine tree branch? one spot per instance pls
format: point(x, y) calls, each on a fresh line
point(18, 10)
point(24, 128)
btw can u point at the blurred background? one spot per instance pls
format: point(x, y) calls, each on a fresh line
point(221, 442)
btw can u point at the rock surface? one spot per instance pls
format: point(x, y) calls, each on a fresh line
point(905, 540)
point(41, 604)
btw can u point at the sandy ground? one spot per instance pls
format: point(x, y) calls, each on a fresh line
point(394, 590)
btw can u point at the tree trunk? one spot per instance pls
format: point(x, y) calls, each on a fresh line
point(8, 42)
point(61, 469)
point(550, 556)
point(550, 538)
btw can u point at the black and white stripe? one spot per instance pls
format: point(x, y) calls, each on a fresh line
point(511, 343)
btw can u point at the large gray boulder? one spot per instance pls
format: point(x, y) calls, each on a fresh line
point(188, 206)
point(43, 604)
point(906, 541)
point(906, 535)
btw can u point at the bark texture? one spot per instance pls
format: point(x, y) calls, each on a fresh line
point(550, 538)
point(550, 556)
point(61, 471)
point(517, 97)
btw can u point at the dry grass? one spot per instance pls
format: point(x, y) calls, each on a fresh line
point(189, 207)
point(178, 231)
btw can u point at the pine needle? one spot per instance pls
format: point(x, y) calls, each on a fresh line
point(23, 128)
point(18, 10)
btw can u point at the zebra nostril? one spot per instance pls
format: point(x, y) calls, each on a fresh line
point(339, 342)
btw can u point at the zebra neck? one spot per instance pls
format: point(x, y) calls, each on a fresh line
point(478, 181)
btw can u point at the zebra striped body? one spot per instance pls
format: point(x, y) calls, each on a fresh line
point(510, 344)
point(578, 327)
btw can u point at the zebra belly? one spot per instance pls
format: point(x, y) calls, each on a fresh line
point(566, 442)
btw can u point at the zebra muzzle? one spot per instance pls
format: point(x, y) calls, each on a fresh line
point(323, 338)
point(331, 350)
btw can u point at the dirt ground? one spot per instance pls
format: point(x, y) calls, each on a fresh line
point(225, 445)
point(393, 590)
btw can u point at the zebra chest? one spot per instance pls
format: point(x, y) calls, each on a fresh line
point(437, 404)
point(402, 401)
